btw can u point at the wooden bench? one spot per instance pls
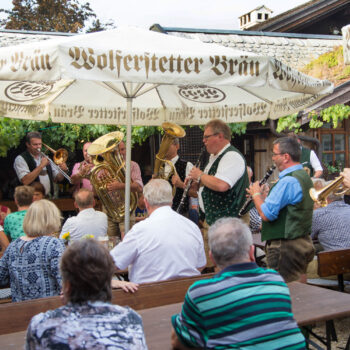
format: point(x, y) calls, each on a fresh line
point(15, 317)
point(334, 262)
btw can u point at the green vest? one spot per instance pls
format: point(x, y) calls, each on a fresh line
point(225, 204)
point(305, 160)
point(293, 220)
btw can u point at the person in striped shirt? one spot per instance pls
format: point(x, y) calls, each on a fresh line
point(244, 306)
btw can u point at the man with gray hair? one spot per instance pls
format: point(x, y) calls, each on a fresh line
point(166, 245)
point(89, 221)
point(287, 213)
point(243, 306)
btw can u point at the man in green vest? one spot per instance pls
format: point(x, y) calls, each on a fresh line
point(287, 213)
point(31, 166)
point(223, 182)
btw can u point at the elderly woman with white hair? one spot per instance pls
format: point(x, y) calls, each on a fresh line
point(31, 262)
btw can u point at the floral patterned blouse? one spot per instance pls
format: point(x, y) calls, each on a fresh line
point(32, 267)
point(90, 325)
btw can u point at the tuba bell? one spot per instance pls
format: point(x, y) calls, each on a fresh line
point(108, 167)
point(336, 187)
point(171, 131)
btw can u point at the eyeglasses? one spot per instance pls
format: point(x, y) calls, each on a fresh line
point(206, 137)
point(276, 154)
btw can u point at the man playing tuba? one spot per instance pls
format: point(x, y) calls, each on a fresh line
point(117, 228)
point(108, 179)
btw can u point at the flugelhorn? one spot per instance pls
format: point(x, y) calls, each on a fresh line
point(336, 187)
point(59, 157)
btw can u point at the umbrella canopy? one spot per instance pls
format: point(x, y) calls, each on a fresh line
point(81, 79)
point(86, 79)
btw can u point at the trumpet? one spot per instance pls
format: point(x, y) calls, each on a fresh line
point(59, 157)
point(336, 188)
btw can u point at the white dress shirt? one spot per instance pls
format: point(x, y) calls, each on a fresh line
point(231, 168)
point(22, 169)
point(87, 222)
point(164, 246)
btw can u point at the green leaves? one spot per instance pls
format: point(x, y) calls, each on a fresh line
point(289, 123)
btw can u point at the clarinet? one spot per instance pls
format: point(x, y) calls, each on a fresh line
point(182, 202)
point(263, 181)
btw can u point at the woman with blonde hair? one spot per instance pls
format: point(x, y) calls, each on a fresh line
point(31, 262)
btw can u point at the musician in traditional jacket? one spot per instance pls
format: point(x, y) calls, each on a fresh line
point(31, 166)
point(223, 183)
point(182, 170)
point(287, 213)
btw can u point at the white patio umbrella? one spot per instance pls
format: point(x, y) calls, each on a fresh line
point(132, 76)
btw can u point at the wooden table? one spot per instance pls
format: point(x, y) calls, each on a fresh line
point(310, 304)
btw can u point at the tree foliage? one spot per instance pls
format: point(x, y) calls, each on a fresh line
point(52, 16)
point(334, 115)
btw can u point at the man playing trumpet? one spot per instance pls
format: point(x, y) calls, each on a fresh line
point(81, 171)
point(31, 166)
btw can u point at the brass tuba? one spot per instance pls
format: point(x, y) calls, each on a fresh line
point(110, 166)
point(336, 187)
point(171, 131)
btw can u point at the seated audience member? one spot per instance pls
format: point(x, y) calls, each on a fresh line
point(330, 224)
point(165, 245)
point(13, 225)
point(87, 320)
point(4, 211)
point(4, 242)
point(31, 262)
point(39, 191)
point(243, 306)
point(89, 221)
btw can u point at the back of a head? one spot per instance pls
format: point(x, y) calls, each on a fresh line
point(88, 267)
point(218, 126)
point(24, 195)
point(43, 218)
point(290, 146)
point(229, 241)
point(158, 192)
point(38, 187)
point(84, 198)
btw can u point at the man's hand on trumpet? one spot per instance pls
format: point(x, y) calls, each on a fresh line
point(346, 174)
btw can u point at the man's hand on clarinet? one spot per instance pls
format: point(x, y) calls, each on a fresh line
point(255, 189)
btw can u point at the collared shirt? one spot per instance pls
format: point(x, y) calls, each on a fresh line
point(167, 167)
point(331, 225)
point(243, 307)
point(165, 245)
point(287, 191)
point(22, 169)
point(315, 162)
point(230, 169)
point(135, 173)
point(84, 183)
point(87, 222)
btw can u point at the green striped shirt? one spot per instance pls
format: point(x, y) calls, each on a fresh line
point(242, 307)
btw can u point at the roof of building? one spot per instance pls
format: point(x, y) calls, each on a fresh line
point(257, 9)
point(296, 17)
point(17, 37)
point(295, 50)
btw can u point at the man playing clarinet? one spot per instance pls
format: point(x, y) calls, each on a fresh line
point(222, 185)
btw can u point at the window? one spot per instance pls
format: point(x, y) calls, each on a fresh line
point(266, 16)
point(335, 144)
point(259, 15)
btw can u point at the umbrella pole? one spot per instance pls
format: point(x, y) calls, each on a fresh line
point(128, 162)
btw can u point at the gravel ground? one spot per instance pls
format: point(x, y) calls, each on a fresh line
point(342, 327)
